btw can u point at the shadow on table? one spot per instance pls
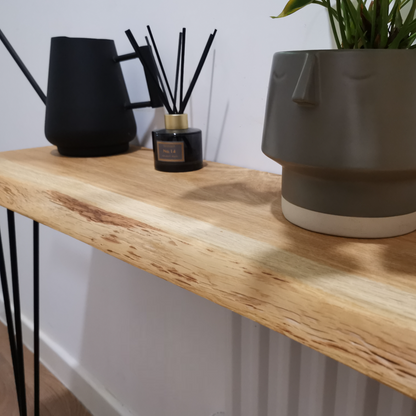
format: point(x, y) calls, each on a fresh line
point(394, 255)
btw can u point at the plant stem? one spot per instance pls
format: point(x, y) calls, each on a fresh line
point(373, 24)
point(331, 13)
point(341, 25)
point(330, 9)
point(405, 31)
point(384, 16)
point(403, 3)
point(356, 17)
point(347, 24)
point(411, 14)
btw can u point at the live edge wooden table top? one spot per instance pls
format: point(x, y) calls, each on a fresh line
point(219, 232)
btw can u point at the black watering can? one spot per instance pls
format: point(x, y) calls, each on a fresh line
point(88, 111)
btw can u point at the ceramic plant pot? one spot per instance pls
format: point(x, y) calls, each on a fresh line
point(342, 125)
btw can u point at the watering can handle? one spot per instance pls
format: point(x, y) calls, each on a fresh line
point(155, 100)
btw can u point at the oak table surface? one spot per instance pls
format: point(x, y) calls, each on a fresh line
point(219, 232)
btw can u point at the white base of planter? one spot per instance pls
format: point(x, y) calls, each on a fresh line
point(358, 227)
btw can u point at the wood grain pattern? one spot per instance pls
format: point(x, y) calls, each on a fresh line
point(219, 232)
point(55, 399)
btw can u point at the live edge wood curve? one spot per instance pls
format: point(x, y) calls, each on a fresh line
point(219, 232)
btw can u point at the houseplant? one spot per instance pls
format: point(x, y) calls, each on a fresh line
point(375, 26)
point(340, 122)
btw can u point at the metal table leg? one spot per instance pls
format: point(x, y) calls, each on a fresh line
point(17, 314)
point(36, 312)
point(15, 329)
point(9, 321)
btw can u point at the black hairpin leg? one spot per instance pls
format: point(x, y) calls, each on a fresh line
point(9, 321)
point(20, 367)
point(15, 339)
point(36, 312)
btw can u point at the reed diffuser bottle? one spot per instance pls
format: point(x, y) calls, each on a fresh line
point(177, 148)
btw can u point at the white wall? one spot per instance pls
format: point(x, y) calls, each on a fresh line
point(145, 346)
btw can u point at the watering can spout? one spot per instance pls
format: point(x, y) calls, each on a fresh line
point(22, 66)
point(154, 97)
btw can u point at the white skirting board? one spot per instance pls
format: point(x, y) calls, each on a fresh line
point(66, 369)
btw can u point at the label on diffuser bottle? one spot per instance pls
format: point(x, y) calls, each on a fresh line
point(170, 152)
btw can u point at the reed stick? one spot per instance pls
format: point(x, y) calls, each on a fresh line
point(157, 69)
point(162, 68)
point(178, 63)
point(182, 64)
point(197, 72)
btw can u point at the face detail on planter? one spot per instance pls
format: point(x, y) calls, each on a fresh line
point(341, 125)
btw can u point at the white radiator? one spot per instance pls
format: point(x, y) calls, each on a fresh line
point(275, 376)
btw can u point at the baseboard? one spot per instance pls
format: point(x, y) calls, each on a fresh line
point(67, 370)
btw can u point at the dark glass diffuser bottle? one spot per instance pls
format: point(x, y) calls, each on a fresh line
point(177, 148)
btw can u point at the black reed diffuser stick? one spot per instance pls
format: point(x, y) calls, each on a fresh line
point(162, 69)
point(157, 69)
point(182, 63)
point(178, 64)
point(180, 68)
point(197, 72)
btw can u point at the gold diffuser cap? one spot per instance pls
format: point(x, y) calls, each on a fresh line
point(176, 121)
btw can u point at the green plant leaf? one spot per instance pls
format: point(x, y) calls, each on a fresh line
point(411, 14)
point(393, 10)
point(341, 24)
point(381, 24)
point(332, 14)
point(404, 31)
point(364, 11)
point(347, 24)
point(403, 3)
point(293, 6)
point(330, 9)
point(395, 17)
point(365, 18)
point(398, 21)
point(384, 16)
point(410, 40)
point(374, 23)
point(355, 16)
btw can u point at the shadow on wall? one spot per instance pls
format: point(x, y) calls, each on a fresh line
point(207, 135)
point(221, 134)
point(211, 87)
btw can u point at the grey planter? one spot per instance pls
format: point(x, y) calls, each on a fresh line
point(342, 124)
